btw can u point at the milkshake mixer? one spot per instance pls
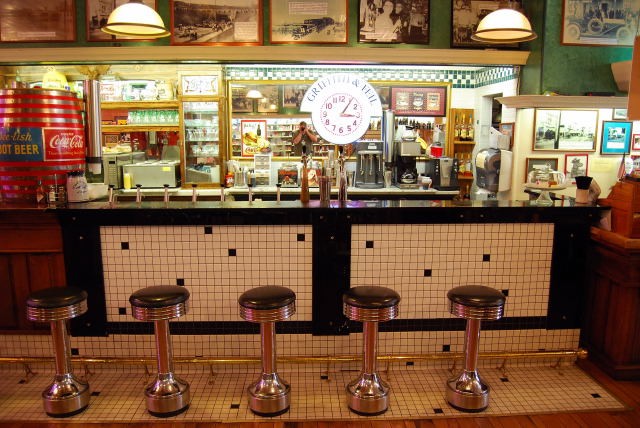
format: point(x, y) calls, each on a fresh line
point(370, 165)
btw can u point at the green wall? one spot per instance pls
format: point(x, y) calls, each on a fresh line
point(570, 70)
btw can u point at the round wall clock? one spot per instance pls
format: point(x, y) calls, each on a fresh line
point(341, 107)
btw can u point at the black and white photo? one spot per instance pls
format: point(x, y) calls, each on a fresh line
point(98, 12)
point(394, 21)
point(465, 17)
point(309, 21)
point(560, 129)
point(216, 22)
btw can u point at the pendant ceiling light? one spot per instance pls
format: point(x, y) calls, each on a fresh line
point(135, 19)
point(505, 25)
point(254, 94)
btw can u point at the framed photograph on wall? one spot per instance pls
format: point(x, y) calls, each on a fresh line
point(309, 22)
point(199, 84)
point(270, 98)
point(465, 17)
point(599, 23)
point(37, 21)
point(405, 21)
point(575, 165)
point(98, 11)
point(616, 137)
point(635, 142)
point(419, 101)
point(292, 95)
point(202, 22)
point(534, 163)
point(560, 129)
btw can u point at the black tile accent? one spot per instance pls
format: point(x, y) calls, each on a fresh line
point(369, 244)
point(409, 363)
point(122, 311)
point(95, 393)
point(180, 282)
point(300, 237)
point(75, 351)
point(504, 379)
point(427, 272)
point(232, 252)
point(505, 292)
point(208, 230)
point(446, 348)
point(324, 377)
point(307, 327)
point(124, 245)
point(438, 411)
point(596, 395)
point(235, 406)
point(486, 257)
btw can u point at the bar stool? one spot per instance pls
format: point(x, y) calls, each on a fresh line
point(270, 394)
point(368, 395)
point(167, 395)
point(67, 395)
point(475, 303)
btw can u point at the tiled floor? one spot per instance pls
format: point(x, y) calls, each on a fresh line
point(416, 393)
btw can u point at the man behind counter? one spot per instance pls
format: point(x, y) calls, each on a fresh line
point(303, 137)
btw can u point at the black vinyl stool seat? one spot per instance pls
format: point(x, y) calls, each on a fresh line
point(270, 395)
point(475, 303)
point(67, 395)
point(167, 395)
point(368, 394)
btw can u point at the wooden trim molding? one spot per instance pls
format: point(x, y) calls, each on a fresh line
point(253, 54)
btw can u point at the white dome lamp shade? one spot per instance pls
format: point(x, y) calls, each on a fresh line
point(135, 19)
point(504, 26)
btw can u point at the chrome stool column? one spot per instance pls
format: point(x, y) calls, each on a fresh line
point(270, 394)
point(368, 395)
point(67, 395)
point(167, 395)
point(467, 391)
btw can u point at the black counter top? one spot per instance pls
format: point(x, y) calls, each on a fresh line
point(361, 211)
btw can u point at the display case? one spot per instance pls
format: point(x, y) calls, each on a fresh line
point(201, 131)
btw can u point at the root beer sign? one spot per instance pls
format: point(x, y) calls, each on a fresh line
point(41, 144)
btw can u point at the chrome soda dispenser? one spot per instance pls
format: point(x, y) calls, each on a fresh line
point(370, 165)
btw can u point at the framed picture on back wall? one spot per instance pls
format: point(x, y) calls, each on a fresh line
point(465, 17)
point(616, 137)
point(37, 21)
point(400, 21)
point(599, 23)
point(203, 22)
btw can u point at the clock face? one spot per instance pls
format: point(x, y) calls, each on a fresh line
point(341, 107)
point(340, 117)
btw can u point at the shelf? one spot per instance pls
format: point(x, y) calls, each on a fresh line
point(203, 141)
point(128, 105)
point(465, 177)
point(467, 143)
point(562, 101)
point(139, 128)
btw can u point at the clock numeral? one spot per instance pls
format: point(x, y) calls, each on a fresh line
point(326, 122)
point(324, 113)
point(329, 106)
point(355, 122)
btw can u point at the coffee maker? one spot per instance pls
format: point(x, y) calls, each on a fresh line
point(369, 165)
point(443, 172)
point(406, 173)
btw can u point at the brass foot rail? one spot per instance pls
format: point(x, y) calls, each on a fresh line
point(397, 358)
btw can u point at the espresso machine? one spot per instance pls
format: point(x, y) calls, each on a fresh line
point(369, 165)
point(407, 150)
point(443, 172)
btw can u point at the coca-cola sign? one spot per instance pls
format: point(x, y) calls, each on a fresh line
point(64, 144)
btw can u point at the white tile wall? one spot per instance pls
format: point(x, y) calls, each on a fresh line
point(520, 259)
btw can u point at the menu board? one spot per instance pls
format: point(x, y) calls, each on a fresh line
point(419, 101)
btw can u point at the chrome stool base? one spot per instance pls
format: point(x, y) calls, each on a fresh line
point(270, 395)
point(66, 396)
point(467, 392)
point(168, 395)
point(368, 395)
